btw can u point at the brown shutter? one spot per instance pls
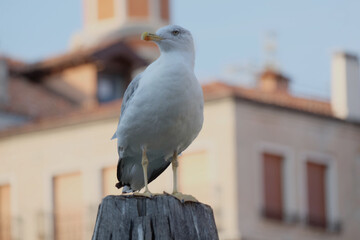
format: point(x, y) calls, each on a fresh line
point(106, 9)
point(316, 194)
point(109, 181)
point(5, 214)
point(138, 8)
point(68, 207)
point(194, 176)
point(164, 5)
point(273, 194)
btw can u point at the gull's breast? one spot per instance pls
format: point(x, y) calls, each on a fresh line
point(165, 115)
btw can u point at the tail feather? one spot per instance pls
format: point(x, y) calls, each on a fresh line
point(114, 136)
point(125, 180)
point(119, 168)
point(155, 173)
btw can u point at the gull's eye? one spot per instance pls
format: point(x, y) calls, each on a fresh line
point(175, 32)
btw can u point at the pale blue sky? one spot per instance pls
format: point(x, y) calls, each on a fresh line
point(227, 33)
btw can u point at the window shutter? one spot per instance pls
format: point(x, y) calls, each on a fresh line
point(138, 8)
point(164, 10)
point(316, 194)
point(106, 9)
point(5, 214)
point(273, 186)
point(68, 206)
point(109, 181)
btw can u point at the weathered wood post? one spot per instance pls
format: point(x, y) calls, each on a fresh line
point(161, 217)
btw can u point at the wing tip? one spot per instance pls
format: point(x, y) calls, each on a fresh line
point(114, 136)
point(119, 185)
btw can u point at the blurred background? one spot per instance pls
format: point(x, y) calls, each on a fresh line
point(279, 153)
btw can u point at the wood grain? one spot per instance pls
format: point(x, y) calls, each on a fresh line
point(160, 217)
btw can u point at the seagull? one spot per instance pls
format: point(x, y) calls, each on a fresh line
point(161, 113)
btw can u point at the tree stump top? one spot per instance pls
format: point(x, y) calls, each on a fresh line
point(160, 217)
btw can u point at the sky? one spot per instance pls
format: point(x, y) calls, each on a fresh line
point(230, 35)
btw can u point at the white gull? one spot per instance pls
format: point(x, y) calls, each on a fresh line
point(161, 114)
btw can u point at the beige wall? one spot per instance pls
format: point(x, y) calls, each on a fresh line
point(230, 144)
point(298, 137)
point(30, 161)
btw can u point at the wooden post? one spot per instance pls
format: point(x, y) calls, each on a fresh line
point(161, 217)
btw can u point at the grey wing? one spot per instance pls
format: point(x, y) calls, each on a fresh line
point(129, 93)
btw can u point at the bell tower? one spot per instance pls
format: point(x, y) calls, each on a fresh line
point(108, 20)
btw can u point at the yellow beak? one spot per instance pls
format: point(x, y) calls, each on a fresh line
point(150, 37)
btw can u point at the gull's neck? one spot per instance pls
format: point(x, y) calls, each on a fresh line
point(187, 57)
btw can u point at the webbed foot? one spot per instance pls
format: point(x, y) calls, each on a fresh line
point(147, 194)
point(183, 197)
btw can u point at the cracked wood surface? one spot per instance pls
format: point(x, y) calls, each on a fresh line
point(160, 217)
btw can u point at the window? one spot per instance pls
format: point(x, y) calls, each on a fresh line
point(357, 174)
point(106, 9)
point(5, 214)
point(318, 185)
point(194, 176)
point(68, 207)
point(316, 194)
point(138, 8)
point(273, 186)
point(110, 87)
point(109, 181)
point(164, 6)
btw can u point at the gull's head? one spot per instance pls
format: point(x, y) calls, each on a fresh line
point(171, 38)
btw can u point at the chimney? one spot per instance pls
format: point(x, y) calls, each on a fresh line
point(273, 81)
point(345, 86)
point(3, 82)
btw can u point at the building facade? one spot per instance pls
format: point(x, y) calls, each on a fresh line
point(270, 164)
point(268, 169)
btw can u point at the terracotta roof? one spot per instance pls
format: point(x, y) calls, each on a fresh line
point(82, 55)
point(12, 62)
point(286, 100)
point(99, 112)
point(212, 91)
point(34, 100)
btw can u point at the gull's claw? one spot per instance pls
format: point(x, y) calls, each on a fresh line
point(182, 197)
point(147, 194)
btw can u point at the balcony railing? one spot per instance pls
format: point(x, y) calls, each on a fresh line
point(288, 218)
point(69, 226)
point(5, 229)
point(325, 224)
point(10, 228)
point(272, 214)
point(74, 225)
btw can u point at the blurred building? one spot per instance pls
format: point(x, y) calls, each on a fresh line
point(271, 165)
